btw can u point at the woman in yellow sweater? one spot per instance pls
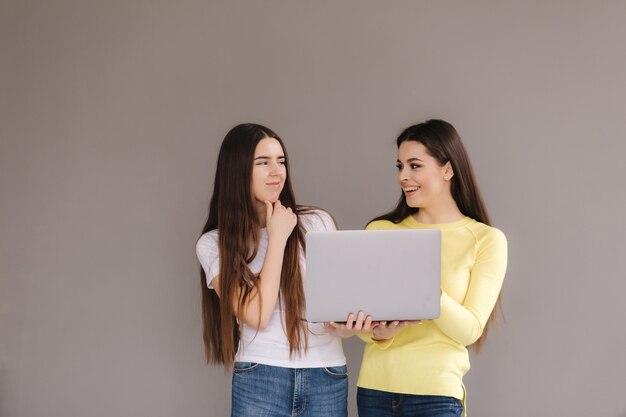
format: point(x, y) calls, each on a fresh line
point(417, 369)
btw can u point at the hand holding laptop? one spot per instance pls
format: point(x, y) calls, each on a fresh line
point(380, 330)
point(352, 325)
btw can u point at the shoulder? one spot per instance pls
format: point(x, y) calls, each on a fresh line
point(381, 225)
point(208, 243)
point(315, 219)
point(488, 235)
point(208, 253)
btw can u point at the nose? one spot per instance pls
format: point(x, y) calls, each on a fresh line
point(403, 175)
point(274, 168)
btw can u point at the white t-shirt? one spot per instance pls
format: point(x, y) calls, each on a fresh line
point(270, 346)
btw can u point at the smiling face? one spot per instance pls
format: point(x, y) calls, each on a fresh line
point(425, 183)
point(269, 172)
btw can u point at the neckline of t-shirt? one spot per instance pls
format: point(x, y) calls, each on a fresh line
point(448, 226)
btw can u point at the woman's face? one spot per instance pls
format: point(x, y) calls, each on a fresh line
point(268, 171)
point(423, 181)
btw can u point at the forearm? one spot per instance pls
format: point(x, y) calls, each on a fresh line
point(464, 319)
point(458, 322)
point(260, 306)
point(465, 322)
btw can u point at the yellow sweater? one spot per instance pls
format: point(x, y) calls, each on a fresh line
point(431, 358)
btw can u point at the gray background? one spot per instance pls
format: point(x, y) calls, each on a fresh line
point(111, 114)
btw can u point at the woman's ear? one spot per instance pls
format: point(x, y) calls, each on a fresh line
point(448, 172)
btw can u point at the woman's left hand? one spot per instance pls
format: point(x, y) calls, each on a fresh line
point(351, 326)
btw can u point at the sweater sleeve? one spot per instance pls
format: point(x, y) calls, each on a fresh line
point(464, 322)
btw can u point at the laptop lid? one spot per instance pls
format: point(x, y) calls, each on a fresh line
point(388, 274)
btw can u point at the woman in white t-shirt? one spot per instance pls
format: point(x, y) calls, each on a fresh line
point(251, 252)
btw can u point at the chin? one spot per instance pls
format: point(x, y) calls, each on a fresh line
point(413, 204)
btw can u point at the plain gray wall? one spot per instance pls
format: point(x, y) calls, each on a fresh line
point(111, 115)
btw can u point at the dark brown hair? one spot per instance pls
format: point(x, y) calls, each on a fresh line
point(444, 144)
point(232, 213)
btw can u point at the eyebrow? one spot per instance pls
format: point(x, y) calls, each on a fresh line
point(268, 157)
point(411, 160)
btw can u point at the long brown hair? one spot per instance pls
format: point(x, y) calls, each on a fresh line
point(444, 144)
point(232, 213)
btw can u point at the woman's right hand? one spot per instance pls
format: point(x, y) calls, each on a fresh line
point(279, 220)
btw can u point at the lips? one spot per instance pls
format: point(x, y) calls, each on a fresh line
point(273, 184)
point(408, 190)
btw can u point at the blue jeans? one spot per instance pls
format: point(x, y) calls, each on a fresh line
point(373, 403)
point(272, 391)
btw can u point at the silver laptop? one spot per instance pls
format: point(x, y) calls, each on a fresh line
point(388, 274)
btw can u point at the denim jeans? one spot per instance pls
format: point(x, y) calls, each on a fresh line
point(373, 403)
point(272, 391)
